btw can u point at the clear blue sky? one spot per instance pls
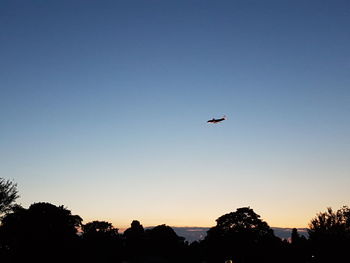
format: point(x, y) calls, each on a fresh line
point(103, 108)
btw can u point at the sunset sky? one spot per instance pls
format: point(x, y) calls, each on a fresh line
point(103, 108)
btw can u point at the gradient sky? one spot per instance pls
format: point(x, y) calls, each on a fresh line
point(103, 108)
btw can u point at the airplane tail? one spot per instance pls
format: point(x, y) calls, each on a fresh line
point(224, 117)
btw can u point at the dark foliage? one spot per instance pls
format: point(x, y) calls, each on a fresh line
point(242, 236)
point(49, 233)
point(100, 242)
point(162, 241)
point(329, 234)
point(135, 241)
point(39, 232)
point(8, 195)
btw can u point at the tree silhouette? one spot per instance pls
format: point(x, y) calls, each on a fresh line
point(134, 241)
point(135, 231)
point(295, 237)
point(48, 233)
point(101, 242)
point(40, 231)
point(329, 233)
point(8, 195)
point(299, 250)
point(243, 220)
point(241, 236)
point(164, 242)
point(99, 228)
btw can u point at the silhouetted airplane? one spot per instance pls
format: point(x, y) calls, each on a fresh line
point(217, 120)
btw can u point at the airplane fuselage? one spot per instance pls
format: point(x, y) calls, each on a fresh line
point(216, 120)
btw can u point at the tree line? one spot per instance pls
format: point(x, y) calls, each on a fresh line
point(48, 233)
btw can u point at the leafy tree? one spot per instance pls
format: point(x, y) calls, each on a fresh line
point(40, 231)
point(8, 195)
point(243, 220)
point(331, 222)
point(329, 233)
point(164, 233)
point(135, 241)
point(163, 238)
point(164, 243)
point(241, 236)
point(295, 237)
point(136, 230)
point(299, 248)
point(99, 228)
point(101, 242)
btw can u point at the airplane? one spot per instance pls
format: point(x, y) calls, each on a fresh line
point(213, 120)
